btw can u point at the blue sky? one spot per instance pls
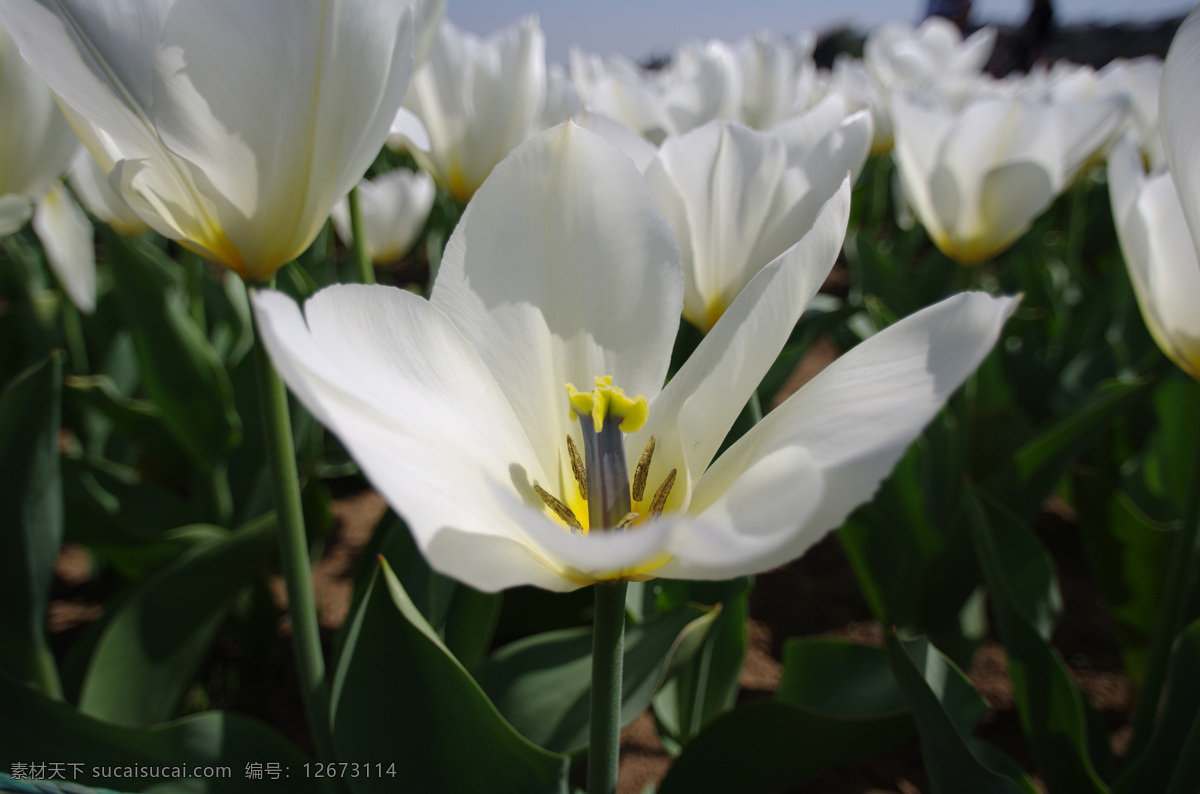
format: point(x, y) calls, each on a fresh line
point(639, 27)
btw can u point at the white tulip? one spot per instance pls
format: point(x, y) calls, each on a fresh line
point(977, 178)
point(562, 272)
point(230, 126)
point(394, 208)
point(1179, 114)
point(36, 146)
point(736, 203)
point(1159, 254)
point(477, 99)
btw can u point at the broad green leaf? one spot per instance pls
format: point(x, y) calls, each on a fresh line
point(769, 745)
point(1169, 758)
point(36, 728)
point(471, 623)
point(151, 648)
point(400, 695)
point(31, 519)
point(838, 677)
point(542, 684)
point(946, 709)
point(1020, 580)
point(708, 683)
point(180, 370)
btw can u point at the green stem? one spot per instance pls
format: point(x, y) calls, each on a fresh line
point(358, 248)
point(306, 639)
point(1171, 607)
point(1077, 225)
point(608, 656)
point(1187, 770)
point(77, 355)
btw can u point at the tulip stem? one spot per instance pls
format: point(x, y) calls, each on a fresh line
point(358, 248)
point(608, 656)
point(293, 543)
point(1172, 602)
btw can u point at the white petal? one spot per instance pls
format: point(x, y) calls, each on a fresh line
point(408, 130)
point(66, 237)
point(414, 405)
point(857, 417)
point(1179, 112)
point(696, 409)
point(754, 524)
point(561, 271)
point(92, 186)
point(640, 150)
point(15, 210)
point(1159, 254)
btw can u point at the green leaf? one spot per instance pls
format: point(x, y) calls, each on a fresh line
point(36, 728)
point(137, 419)
point(400, 696)
point(471, 623)
point(768, 745)
point(542, 684)
point(151, 648)
point(946, 709)
point(180, 369)
point(708, 684)
point(836, 676)
point(31, 519)
point(1020, 579)
point(1168, 758)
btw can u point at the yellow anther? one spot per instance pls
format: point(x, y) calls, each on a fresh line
point(608, 400)
point(560, 509)
point(642, 471)
point(627, 521)
point(660, 496)
point(577, 468)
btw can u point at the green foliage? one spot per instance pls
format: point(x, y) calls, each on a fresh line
point(399, 694)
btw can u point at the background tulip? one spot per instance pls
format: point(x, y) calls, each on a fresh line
point(394, 208)
point(231, 127)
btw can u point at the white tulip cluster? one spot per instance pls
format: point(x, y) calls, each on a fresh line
point(716, 189)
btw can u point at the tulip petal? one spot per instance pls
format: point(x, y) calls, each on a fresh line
point(1180, 117)
point(15, 210)
point(418, 410)
point(561, 271)
point(66, 236)
point(1159, 254)
point(696, 409)
point(858, 416)
point(753, 525)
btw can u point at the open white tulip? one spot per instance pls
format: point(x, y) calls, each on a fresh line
point(232, 127)
point(1159, 254)
point(394, 209)
point(1179, 117)
point(977, 178)
point(36, 146)
point(478, 99)
point(932, 53)
point(776, 78)
point(562, 272)
point(736, 203)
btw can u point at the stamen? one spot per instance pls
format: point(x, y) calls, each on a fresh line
point(628, 520)
point(660, 496)
point(577, 468)
point(560, 509)
point(642, 471)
